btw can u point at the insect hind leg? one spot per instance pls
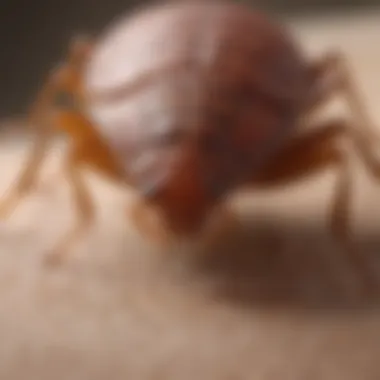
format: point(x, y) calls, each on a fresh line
point(311, 153)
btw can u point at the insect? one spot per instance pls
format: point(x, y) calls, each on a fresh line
point(187, 102)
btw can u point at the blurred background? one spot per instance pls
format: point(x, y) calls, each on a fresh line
point(34, 35)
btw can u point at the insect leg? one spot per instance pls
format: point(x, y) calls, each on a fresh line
point(331, 75)
point(83, 205)
point(63, 78)
point(309, 154)
point(149, 223)
point(27, 178)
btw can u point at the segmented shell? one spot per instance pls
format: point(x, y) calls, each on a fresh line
point(213, 78)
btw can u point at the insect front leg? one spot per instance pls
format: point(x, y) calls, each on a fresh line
point(28, 177)
point(149, 223)
point(64, 79)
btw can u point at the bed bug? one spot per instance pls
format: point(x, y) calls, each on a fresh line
point(187, 102)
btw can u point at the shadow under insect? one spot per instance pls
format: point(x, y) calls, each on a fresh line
point(258, 265)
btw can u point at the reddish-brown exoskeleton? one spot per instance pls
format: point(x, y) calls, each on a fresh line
point(188, 102)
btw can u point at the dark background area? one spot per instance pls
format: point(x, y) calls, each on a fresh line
point(34, 35)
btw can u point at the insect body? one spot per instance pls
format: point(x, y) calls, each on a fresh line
point(187, 102)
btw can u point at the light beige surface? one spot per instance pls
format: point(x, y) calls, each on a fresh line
point(275, 304)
